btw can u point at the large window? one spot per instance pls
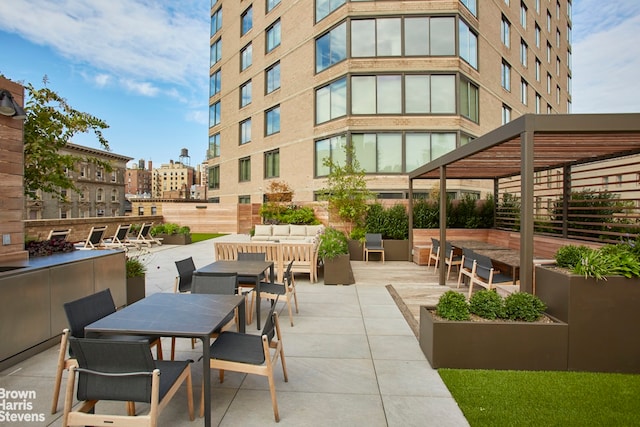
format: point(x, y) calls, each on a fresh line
point(214, 177)
point(244, 169)
point(272, 80)
point(471, 5)
point(216, 21)
point(272, 120)
point(216, 52)
point(245, 131)
point(246, 20)
point(325, 7)
point(505, 32)
point(506, 76)
point(523, 15)
point(214, 83)
point(245, 94)
point(468, 44)
point(246, 55)
point(331, 148)
point(331, 48)
point(378, 153)
point(271, 4)
point(383, 94)
point(469, 100)
point(423, 36)
point(214, 114)
point(331, 101)
point(273, 36)
point(214, 146)
point(272, 164)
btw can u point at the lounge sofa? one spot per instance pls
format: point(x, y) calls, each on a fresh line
point(287, 232)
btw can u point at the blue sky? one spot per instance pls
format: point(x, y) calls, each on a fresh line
point(142, 65)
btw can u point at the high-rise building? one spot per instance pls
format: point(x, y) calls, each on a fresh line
point(172, 181)
point(138, 180)
point(402, 82)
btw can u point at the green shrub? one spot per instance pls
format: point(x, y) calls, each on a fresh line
point(487, 304)
point(392, 223)
point(169, 228)
point(522, 306)
point(570, 255)
point(332, 243)
point(452, 305)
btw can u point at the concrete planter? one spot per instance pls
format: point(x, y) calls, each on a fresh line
point(493, 345)
point(135, 289)
point(175, 239)
point(337, 271)
point(397, 250)
point(355, 250)
point(603, 318)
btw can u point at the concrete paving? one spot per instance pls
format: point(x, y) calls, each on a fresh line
point(352, 356)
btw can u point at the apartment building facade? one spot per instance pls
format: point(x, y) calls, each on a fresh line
point(138, 180)
point(401, 82)
point(172, 180)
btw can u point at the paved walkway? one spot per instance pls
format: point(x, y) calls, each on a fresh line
point(352, 358)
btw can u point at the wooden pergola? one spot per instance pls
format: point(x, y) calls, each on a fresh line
point(529, 144)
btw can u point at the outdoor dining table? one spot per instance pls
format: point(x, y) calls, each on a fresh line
point(477, 244)
point(176, 315)
point(247, 268)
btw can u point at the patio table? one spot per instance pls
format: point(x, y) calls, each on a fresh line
point(176, 315)
point(248, 268)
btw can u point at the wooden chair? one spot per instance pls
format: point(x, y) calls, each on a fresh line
point(119, 239)
point(286, 289)
point(59, 235)
point(218, 284)
point(435, 253)
point(467, 267)
point(485, 275)
point(251, 354)
point(94, 240)
point(183, 283)
point(248, 282)
point(122, 371)
point(81, 313)
point(373, 243)
point(451, 258)
point(144, 237)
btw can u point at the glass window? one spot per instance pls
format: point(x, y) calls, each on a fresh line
point(214, 146)
point(245, 94)
point(468, 44)
point(417, 150)
point(471, 5)
point(214, 177)
point(388, 37)
point(272, 79)
point(363, 36)
point(537, 36)
point(325, 7)
point(216, 21)
point(443, 36)
point(331, 101)
point(469, 100)
point(363, 95)
point(272, 164)
point(548, 21)
point(523, 15)
point(506, 114)
point(216, 52)
point(246, 55)
point(524, 89)
point(244, 169)
point(523, 53)
point(442, 143)
point(417, 90)
point(245, 131)
point(505, 32)
point(443, 94)
point(273, 36)
point(214, 83)
point(331, 148)
point(389, 153)
point(246, 20)
point(376, 94)
point(548, 52)
point(416, 36)
point(272, 120)
point(506, 76)
point(538, 65)
point(538, 103)
point(389, 94)
point(214, 114)
point(331, 48)
point(271, 4)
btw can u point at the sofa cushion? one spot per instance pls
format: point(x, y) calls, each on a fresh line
point(298, 230)
point(281, 230)
point(262, 230)
point(314, 230)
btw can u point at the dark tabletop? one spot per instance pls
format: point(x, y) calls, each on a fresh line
point(242, 267)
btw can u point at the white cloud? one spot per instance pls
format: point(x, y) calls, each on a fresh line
point(141, 88)
point(132, 40)
point(605, 56)
point(102, 80)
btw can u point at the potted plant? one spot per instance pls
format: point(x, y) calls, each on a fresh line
point(489, 332)
point(333, 250)
point(136, 275)
point(597, 292)
point(172, 234)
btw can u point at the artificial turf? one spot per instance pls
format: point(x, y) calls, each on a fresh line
point(198, 237)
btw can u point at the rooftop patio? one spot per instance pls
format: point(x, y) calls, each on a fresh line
point(352, 356)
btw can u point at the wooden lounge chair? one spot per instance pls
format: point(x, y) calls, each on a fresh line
point(119, 239)
point(94, 239)
point(144, 237)
point(59, 235)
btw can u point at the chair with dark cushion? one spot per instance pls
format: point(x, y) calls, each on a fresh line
point(81, 313)
point(435, 253)
point(249, 282)
point(485, 275)
point(287, 290)
point(185, 267)
point(124, 371)
point(218, 284)
point(251, 354)
point(467, 268)
point(373, 243)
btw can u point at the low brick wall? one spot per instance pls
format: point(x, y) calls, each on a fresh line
point(39, 229)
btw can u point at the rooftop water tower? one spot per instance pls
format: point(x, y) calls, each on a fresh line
point(184, 157)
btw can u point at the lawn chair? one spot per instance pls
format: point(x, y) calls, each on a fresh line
point(118, 241)
point(59, 235)
point(144, 237)
point(94, 239)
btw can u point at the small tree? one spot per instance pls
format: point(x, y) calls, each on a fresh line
point(50, 124)
point(347, 191)
point(279, 196)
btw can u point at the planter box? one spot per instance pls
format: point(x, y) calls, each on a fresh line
point(337, 271)
point(396, 250)
point(603, 318)
point(355, 250)
point(135, 289)
point(175, 239)
point(493, 345)
point(421, 255)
